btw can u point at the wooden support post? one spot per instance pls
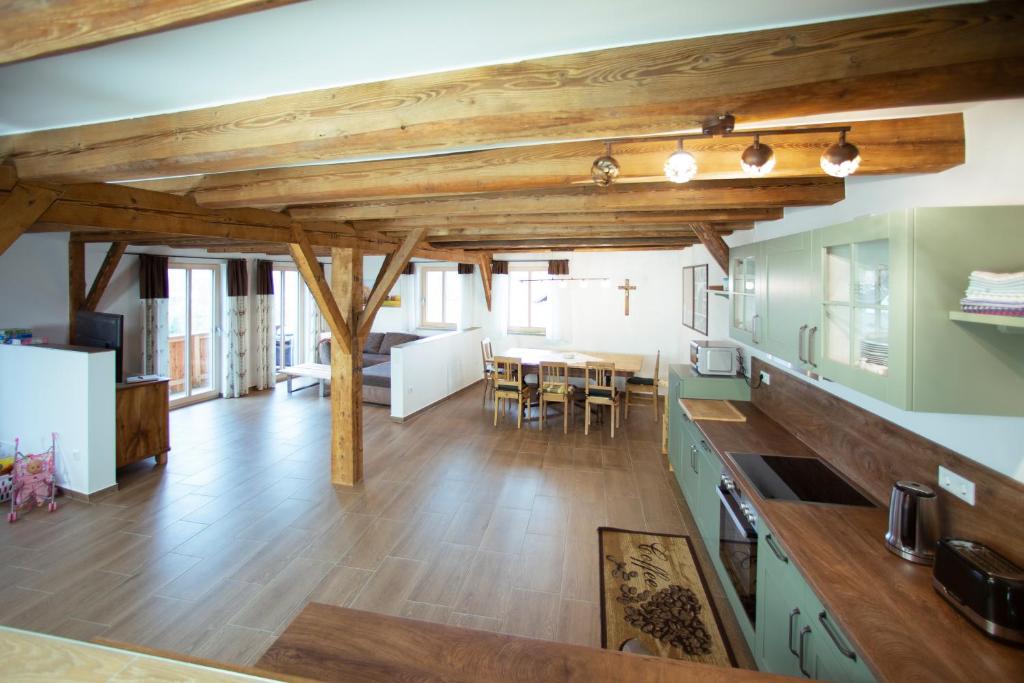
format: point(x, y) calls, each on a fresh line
point(21, 209)
point(399, 259)
point(486, 275)
point(347, 372)
point(714, 243)
point(313, 274)
point(76, 282)
point(99, 285)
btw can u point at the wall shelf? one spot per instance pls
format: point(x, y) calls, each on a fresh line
point(1005, 323)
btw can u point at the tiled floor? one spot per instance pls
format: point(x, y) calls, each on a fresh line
point(457, 522)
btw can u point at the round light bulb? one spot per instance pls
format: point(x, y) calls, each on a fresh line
point(841, 159)
point(604, 171)
point(681, 167)
point(757, 160)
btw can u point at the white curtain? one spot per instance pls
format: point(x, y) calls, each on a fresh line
point(468, 304)
point(155, 345)
point(264, 342)
point(410, 301)
point(559, 327)
point(236, 346)
point(499, 303)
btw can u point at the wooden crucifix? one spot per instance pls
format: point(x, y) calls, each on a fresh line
point(627, 288)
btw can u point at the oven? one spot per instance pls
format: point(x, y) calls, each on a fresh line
point(737, 544)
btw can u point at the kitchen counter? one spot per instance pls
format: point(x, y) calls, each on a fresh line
point(885, 605)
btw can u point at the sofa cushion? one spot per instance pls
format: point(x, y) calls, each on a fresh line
point(371, 359)
point(394, 339)
point(323, 351)
point(373, 341)
point(378, 376)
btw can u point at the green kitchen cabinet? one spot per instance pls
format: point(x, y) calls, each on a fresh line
point(709, 476)
point(796, 635)
point(787, 296)
point(744, 297)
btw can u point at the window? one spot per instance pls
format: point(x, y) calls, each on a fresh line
point(528, 310)
point(289, 317)
point(192, 316)
point(440, 297)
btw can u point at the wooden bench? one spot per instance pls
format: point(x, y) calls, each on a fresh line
point(317, 371)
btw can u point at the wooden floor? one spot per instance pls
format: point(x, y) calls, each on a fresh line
point(457, 522)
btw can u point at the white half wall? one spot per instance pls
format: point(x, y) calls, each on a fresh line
point(427, 370)
point(991, 177)
point(46, 390)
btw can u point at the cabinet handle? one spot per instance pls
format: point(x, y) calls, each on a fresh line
point(753, 332)
point(776, 549)
point(792, 619)
point(810, 346)
point(803, 634)
point(847, 652)
point(800, 343)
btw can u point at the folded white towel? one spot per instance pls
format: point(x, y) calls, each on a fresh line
point(986, 276)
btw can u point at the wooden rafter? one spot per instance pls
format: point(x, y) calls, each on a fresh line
point(347, 373)
point(886, 60)
point(714, 243)
point(34, 29)
point(696, 195)
point(20, 209)
point(103, 277)
point(912, 145)
point(313, 275)
point(527, 232)
point(573, 242)
point(395, 266)
point(486, 277)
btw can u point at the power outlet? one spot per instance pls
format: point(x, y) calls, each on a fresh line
point(765, 378)
point(959, 486)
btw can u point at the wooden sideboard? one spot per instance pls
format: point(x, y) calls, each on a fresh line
point(142, 409)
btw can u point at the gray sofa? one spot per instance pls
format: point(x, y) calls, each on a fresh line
point(376, 363)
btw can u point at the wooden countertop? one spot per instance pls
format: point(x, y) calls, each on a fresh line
point(327, 643)
point(885, 605)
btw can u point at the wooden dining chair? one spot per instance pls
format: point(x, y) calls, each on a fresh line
point(600, 389)
point(644, 388)
point(487, 352)
point(554, 387)
point(509, 385)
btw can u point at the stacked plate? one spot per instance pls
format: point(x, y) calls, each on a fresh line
point(875, 352)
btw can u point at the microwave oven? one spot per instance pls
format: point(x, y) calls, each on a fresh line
point(714, 357)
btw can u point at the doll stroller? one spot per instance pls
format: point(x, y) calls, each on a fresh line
point(35, 480)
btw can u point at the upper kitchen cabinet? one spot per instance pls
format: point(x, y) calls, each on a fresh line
point(787, 295)
point(744, 319)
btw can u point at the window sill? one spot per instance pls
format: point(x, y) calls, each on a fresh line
point(528, 332)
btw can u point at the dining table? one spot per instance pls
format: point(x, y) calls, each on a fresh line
point(626, 364)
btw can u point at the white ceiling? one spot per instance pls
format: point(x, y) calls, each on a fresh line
point(323, 43)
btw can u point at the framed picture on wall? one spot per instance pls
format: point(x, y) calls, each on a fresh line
point(695, 298)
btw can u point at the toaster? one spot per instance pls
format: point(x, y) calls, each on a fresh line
point(983, 585)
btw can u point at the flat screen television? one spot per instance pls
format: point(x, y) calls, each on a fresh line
point(104, 331)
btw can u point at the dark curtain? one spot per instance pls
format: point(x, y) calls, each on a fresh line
point(408, 270)
point(238, 277)
point(559, 267)
point(152, 277)
point(264, 277)
point(499, 267)
point(465, 269)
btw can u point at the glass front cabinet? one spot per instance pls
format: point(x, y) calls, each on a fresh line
point(744, 319)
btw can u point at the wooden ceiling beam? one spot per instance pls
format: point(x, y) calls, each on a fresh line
point(565, 242)
point(714, 243)
point(394, 267)
point(103, 277)
point(20, 209)
point(913, 145)
point(483, 221)
point(887, 60)
point(696, 195)
point(458, 234)
point(40, 29)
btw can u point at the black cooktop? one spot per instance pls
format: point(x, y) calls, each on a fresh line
point(788, 477)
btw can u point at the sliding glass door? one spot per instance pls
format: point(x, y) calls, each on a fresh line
point(192, 332)
point(289, 317)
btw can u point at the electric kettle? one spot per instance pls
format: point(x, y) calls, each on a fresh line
point(913, 522)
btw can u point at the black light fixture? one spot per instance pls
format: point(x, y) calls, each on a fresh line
point(605, 169)
point(758, 159)
point(841, 159)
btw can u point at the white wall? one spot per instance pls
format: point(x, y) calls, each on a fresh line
point(991, 176)
point(424, 372)
point(68, 392)
point(597, 321)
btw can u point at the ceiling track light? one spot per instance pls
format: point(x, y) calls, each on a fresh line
point(605, 169)
point(839, 160)
point(681, 167)
point(758, 159)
